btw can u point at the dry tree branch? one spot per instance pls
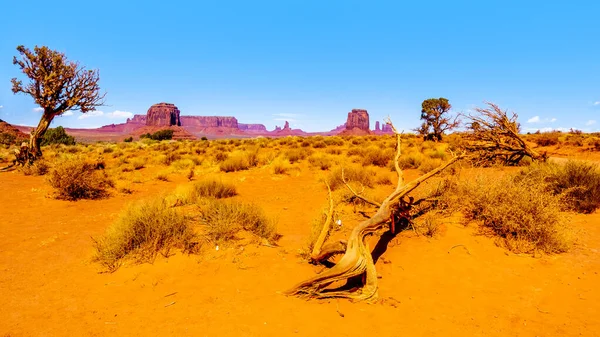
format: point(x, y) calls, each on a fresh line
point(358, 195)
point(495, 134)
point(325, 230)
point(357, 259)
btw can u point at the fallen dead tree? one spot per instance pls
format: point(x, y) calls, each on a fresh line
point(357, 266)
point(494, 136)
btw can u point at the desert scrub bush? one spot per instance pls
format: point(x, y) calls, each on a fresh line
point(295, 155)
point(577, 183)
point(377, 156)
point(409, 161)
point(320, 160)
point(38, 168)
point(333, 140)
point(319, 145)
point(144, 230)
point(280, 166)
point(429, 164)
point(169, 158)
point(163, 175)
point(360, 175)
point(428, 224)
point(183, 164)
point(212, 188)
point(240, 161)
point(79, 178)
point(520, 212)
point(546, 139)
point(138, 163)
point(57, 135)
point(224, 219)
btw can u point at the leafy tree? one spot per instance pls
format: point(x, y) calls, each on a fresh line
point(436, 118)
point(159, 135)
point(57, 136)
point(56, 85)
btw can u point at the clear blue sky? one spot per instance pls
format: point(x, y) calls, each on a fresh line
point(313, 61)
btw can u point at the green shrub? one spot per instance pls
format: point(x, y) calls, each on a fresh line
point(128, 140)
point(141, 232)
point(166, 134)
point(79, 179)
point(57, 135)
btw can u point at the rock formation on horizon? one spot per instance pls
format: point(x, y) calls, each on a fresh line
point(209, 122)
point(387, 128)
point(252, 127)
point(163, 114)
point(358, 119)
point(377, 126)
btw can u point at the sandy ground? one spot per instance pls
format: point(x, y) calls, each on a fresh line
point(428, 286)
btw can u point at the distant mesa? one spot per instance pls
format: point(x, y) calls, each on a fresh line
point(252, 127)
point(357, 123)
point(167, 116)
point(163, 114)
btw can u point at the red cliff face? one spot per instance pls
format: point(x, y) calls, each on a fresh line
point(358, 119)
point(163, 114)
point(252, 127)
point(202, 122)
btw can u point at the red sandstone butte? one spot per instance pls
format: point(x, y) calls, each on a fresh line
point(357, 123)
point(163, 114)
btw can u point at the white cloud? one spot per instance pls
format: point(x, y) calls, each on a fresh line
point(597, 103)
point(67, 113)
point(1, 106)
point(547, 129)
point(38, 109)
point(119, 114)
point(95, 113)
point(537, 119)
point(590, 122)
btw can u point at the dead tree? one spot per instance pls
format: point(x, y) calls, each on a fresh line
point(495, 136)
point(356, 266)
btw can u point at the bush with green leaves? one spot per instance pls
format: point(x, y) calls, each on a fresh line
point(166, 134)
point(57, 135)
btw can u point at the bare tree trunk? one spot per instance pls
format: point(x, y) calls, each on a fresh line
point(357, 259)
point(325, 230)
point(38, 133)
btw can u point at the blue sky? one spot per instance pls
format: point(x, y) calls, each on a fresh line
point(310, 62)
